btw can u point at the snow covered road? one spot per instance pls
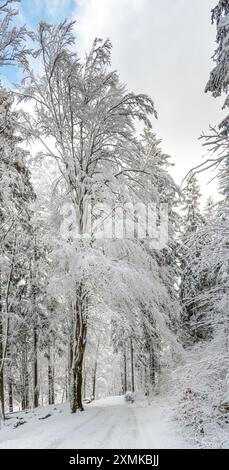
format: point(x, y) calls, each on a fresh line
point(107, 423)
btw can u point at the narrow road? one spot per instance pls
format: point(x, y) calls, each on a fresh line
point(108, 423)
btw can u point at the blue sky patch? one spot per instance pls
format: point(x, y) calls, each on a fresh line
point(31, 12)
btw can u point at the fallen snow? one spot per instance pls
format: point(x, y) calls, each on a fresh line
point(107, 423)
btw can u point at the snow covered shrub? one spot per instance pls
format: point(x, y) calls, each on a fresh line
point(202, 394)
point(129, 397)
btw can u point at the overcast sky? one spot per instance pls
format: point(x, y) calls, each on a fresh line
point(162, 48)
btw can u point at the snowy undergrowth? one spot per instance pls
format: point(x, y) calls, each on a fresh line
point(201, 394)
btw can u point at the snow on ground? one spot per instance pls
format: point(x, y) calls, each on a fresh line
point(106, 423)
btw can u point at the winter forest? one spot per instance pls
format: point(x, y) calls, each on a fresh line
point(114, 280)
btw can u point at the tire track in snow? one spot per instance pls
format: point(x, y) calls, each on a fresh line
point(111, 427)
point(57, 442)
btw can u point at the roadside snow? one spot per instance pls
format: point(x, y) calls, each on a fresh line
point(107, 423)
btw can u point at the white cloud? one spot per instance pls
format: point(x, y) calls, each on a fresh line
point(164, 49)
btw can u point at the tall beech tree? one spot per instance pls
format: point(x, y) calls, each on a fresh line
point(89, 118)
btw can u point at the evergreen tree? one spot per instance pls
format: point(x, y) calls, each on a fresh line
point(192, 216)
point(223, 177)
point(15, 196)
point(190, 250)
point(217, 139)
point(209, 209)
point(219, 81)
point(13, 175)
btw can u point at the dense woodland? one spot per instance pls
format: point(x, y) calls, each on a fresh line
point(85, 317)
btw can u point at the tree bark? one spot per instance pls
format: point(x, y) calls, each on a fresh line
point(35, 369)
point(124, 371)
point(2, 400)
point(94, 379)
point(77, 386)
point(132, 365)
point(80, 332)
point(152, 367)
point(70, 359)
point(84, 381)
point(4, 345)
point(25, 378)
point(95, 369)
point(51, 392)
point(10, 393)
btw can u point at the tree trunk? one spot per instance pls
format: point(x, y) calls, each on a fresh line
point(8, 374)
point(95, 369)
point(2, 402)
point(2, 399)
point(152, 367)
point(132, 364)
point(77, 384)
point(10, 394)
point(70, 359)
point(4, 347)
point(51, 384)
point(85, 382)
point(94, 379)
point(50, 378)
point(124, 372)
point(79, 381)
point(35, 369)
point(25, 379)
point(80, 331)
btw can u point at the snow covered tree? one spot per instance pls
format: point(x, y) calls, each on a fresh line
point(12, 38)
point(192, 216)
point(88, 129)
point(91, 122)
point(205, 375)
point(204, 378)
point(12, 169)
point(218, 82)
point(216, 141)
point(200, 287)
point(189, 253)
point(15, 195)
point(209, 209)
point(141, 342)
point(223, 177)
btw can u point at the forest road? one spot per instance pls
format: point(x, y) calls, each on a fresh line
point(107, 423)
